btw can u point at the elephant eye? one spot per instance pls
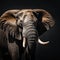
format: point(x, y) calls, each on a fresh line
point(17, 17)
point(39, 15)
point(35, 14)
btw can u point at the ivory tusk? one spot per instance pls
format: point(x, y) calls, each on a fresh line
point(24, 42)
point(41, 42)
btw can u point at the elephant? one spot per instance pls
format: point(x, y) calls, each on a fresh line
point(35, 22)
point(11, 34)
point(25, 25)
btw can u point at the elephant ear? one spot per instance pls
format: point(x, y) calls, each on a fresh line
point(46, 18)
point(9, 17)
point(8, 23)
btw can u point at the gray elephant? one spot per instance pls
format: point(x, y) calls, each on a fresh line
point(10, 35)
point(35, 22)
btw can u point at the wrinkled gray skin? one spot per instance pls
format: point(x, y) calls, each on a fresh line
point(10, 35)
point(33, 20)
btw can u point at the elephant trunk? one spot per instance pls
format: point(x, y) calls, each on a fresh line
point(30, 33)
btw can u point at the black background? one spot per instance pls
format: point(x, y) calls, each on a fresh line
point(52, 50)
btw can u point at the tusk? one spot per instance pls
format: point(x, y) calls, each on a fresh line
point(24, 42)
point(41, 42)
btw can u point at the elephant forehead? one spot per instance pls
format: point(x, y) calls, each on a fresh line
point(24, 12)
point(27, 15)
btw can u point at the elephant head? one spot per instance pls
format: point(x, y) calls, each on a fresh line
point(35, 22)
